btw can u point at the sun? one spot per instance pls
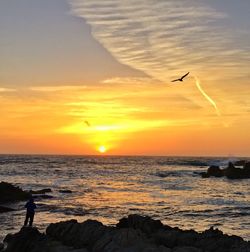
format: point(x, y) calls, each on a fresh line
point(102, 149)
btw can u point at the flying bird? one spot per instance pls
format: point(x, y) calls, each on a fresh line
point(87, 123)
point(181, 79)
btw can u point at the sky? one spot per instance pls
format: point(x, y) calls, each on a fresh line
point(94, 77)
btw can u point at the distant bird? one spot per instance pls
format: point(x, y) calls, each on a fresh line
point(87, 123)
point(181, 79)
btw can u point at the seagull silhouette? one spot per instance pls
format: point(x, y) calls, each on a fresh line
point(181, 79)
point(87, 123)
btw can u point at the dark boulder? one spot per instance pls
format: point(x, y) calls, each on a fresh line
point(237, 173)
point(24, 240)
point(240, 163)
point(215, 171)
point(9, 193)
point(4, 209)
point(31, 240)
point(204, 175)
point(144, 223)
point(246, 167)
point(117, 240)
point(231, 172)
point(78, 235)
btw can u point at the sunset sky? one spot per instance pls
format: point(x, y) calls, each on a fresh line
point(93, 76)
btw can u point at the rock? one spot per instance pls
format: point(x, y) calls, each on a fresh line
point(231, 172)
point(22, 240)
point(121, 238)
point(42, 196)
point(132, 234)
point(204, 175)
point(1, 246)
point(9, 193)
point(126, 237)
point(167, 239)
point(31, 240)
point(144, 223)
point(158, 249)
point(4, 209)
point(42, 191)
point(65, 191)
point(76, 234)
point(237, 173)
point(187, 238)
point(215, 171)
point(240, 163)
point(246, 167)
point(186, 249)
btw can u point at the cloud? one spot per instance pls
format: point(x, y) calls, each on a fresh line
point(2, 90)
point(163, 38)
point(130, 80)
point(56, 88)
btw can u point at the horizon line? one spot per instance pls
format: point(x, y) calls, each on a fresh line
point(123, 155)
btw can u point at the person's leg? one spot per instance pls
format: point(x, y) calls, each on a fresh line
point(26, 219)
point(31, 219)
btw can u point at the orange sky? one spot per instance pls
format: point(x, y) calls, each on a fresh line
point(115, 73)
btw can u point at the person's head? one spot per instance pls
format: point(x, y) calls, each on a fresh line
point(31, 200)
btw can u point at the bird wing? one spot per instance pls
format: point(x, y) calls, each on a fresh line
point(175, 80)
point(87, 123)
point(185, 75)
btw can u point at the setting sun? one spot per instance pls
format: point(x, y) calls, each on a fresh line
point(102, 149)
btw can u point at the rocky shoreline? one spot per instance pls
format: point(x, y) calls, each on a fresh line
point(134, 233)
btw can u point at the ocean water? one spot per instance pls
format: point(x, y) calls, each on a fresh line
point(108, 188)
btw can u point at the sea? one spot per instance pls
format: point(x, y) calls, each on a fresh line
point(108, 188)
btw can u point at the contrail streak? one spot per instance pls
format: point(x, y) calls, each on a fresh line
point(197, 81)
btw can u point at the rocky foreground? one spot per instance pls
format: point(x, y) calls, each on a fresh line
point(131, 234)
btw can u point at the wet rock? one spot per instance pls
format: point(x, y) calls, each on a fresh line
point(4, 209)
point(42, 196)
point(65, 191)
point(231, 172)
point(10, 193)
point(236, 173)
point(42, 191)
point(246, 167)
point(240, 163)
point(205, 175)
point(215, 171)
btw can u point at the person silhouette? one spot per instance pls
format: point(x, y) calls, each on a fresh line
point(31, 206)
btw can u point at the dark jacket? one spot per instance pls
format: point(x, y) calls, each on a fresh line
point(31, 206)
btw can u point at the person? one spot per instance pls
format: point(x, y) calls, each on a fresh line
point(31, 206)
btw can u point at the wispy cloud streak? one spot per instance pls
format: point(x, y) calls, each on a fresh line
point(163, 37)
